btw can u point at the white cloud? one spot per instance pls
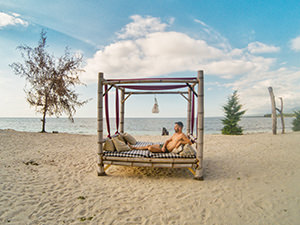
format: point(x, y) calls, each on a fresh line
point(258, 47)
point(142, 26)
point(163, 52)
point(13, 19)
point(295, 44)
point(253, 89)
point(213, 37)
point(200, 22)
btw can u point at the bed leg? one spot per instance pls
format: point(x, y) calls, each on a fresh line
point(100, 170)
point(101, 173)
point(199, 174)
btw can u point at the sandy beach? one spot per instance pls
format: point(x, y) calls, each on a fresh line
point(51, 179)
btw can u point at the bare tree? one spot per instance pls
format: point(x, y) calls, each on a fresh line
point(50, 80)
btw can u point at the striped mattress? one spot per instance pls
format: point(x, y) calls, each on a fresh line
point(145, 153)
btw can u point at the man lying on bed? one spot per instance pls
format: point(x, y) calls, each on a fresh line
point(175, 141)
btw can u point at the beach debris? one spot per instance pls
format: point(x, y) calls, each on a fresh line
point(81, 197)
point(86, 218)
point(31, 162)
point(55, 132)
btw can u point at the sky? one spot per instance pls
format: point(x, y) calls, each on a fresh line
point(240, 45)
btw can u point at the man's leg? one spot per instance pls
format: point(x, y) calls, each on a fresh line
point(151, 148)
point(139, 148)
point(154, 148)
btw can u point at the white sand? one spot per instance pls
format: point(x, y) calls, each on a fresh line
point(249, 179)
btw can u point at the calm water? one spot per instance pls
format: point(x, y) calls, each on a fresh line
point(136, 126)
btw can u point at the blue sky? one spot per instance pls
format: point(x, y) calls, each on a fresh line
point(240, 45)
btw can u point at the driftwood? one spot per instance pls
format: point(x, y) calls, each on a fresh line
point(274, 116)
point(281, 115)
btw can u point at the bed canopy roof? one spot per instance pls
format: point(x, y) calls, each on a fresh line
point(123, 85)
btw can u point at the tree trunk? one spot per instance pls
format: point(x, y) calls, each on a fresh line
point(274, 116)
point(44, 115)
point(281, 116)
point(44, 122)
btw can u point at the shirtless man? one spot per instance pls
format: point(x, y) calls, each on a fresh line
point(175, 141)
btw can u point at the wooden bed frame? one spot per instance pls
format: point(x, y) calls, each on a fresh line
point(195, 165)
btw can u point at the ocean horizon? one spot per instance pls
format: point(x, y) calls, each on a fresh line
point(137, 125)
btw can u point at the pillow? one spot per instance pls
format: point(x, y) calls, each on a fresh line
point(178, 150)
point(188, 150)
point(129, 138)
point(120, 145)
point(120, 137)
point(109, 145)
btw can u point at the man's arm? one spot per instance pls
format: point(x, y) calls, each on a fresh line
point(186, 140)
point(183, 140)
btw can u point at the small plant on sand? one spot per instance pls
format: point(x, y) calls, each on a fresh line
point(50, 80)
point(296, 121)
point(233, 115)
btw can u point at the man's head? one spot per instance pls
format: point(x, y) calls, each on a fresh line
point(178, 127)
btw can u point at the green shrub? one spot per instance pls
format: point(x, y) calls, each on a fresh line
point(233, 115)
point(296, 121)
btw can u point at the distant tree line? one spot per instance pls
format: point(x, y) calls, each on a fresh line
point(284, 114)
point(296, 121)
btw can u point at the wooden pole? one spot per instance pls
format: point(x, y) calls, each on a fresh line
point(155, 92)
point(200, 126)
point(150, 80)
point(281, 116)
point(122, 101)
point(100, 168)
point(184, 96)
point(188, 122)
point(274, 116)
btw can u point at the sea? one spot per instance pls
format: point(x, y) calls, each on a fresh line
point(137, 126)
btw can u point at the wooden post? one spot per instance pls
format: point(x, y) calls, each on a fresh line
point(281, 116)
point(274, 116)
point(100, 168)
point(122, 111)
point(200, 126)
point(188, 122)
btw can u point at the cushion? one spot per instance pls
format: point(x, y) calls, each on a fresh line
point(178, 150)
point(129, 138)
point(120, 137)
point(120, 145)
point(187, 150)
point(109, 145)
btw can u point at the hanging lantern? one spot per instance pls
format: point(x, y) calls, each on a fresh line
point(155, 107)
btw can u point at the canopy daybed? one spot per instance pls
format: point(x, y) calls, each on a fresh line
point(128, 87)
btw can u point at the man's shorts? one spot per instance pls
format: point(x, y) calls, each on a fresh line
point(161, 145)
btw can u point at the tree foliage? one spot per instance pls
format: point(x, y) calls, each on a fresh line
point(296, 121)
point(50, 80)
point(233, 114)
